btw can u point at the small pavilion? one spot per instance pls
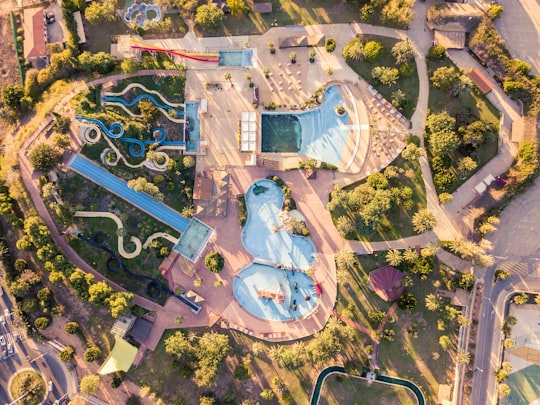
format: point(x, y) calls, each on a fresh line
point(387, 283)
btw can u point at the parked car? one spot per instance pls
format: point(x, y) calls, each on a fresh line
point(2, 340)
point(2, 320)
point(10, 348)
point(7, 314)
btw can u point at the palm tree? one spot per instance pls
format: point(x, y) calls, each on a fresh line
point(345, 259)
point(271, 47)
point(463, 357)
point(343, 277)
point(433, 302)
point(292, 55)
point(275, 353)
point(423, 220)
point(393, 257)
point(333, 324)
point(228, 77)
point(258, 348)
point(409, 255)
point(430, 249)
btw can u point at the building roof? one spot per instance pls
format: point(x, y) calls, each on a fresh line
point(121, 357)
point(141, 329)
point(262, 8)
point(387, 282)
point(303, 40)
point(35, 42)
point(202, 190)
point(450, 39)
point(480, 80)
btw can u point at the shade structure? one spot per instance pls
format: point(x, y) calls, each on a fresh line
point(120, 359)
point(387, 282)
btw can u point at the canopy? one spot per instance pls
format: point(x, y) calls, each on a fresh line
point(120, 359)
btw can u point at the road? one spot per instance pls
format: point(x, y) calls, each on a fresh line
point(26, 354)
point(517, 241)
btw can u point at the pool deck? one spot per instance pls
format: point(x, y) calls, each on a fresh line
point(220, 304)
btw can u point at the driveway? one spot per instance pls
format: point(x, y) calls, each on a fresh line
point(519, 25)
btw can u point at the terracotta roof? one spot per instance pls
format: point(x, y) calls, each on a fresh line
point(387, 282)
point(480, 80)
point(35, 44)
point(203, 188)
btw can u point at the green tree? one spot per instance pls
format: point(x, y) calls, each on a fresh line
point(504, 390)
point(398, 13)
point(292, 55)
point(385, 75)
point(267, 394)
point(354, 50)
point(521, 299)
point(403, 52)
point(178, 345)
point(433, 302)
point(477, 133)
point(445, 198)
point(394, 257)
point(71, 327)
point(66, 354)
point(12, 95)
point(423, 220)
point(236, 7)
point(120, 303)
point(436, 52)
point(445, 77)
point(373, 50)
point(92, 353)
point(89, 384)
point(463, 357)
point(44, 157)
point(376, 317)
point(149, 111)
point(100, 12)
point(41, 323)
point(406, 301)
point(443, 143)
point(214, 262)
point(445, 342)
point(208, 16)
point(99, 292)
point(399, 99)
point(188, 161)
point(346, 259)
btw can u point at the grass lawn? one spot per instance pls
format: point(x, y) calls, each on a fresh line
point(473, 104)
point(396, 223)
point(84, 195)
point(339, 389)
point(286, 12)
point(171, 87)
point(408, 83)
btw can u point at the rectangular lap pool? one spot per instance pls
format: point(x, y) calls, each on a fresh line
point(236, 58)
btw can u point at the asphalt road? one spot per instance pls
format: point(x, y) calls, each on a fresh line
point(26, 355)
point(516, 240)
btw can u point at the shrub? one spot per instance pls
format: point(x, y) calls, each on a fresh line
point(241, 372)
point(66, 354)
point(92, 353)
point(41, 323)
point(71, 327)
point(436, 52)
point(242, 210)
point(330, 44)
point(214, 262)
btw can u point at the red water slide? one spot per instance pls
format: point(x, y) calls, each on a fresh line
point(182, 55)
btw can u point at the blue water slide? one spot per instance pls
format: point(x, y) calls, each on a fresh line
point(136, 148)
point(131, 103)
point(115, 131)
point(144, 202)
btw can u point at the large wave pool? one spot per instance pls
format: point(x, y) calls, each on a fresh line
point(320, 133)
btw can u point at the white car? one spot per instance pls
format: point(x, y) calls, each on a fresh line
point(2, 340)
point(10, 348)
point(2, 320)
point(7, 314)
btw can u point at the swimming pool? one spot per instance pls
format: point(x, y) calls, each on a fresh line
point(264, 236)
point(320, 133)
point(194, 127)
point(139, 13)
point(236, 58)
point(257, 277)
point(193, 240)
point(280, 259)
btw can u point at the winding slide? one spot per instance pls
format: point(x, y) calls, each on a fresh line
point(116, 99)
point(144, 46)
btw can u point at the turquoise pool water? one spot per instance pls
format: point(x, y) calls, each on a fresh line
point(319, 133)
point(194, 127)
point(280, 259)
point(258, 277)
point(236, 58)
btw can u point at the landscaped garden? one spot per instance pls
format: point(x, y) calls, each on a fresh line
point(388, 65)
point(382, 206)
point(462, 127)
